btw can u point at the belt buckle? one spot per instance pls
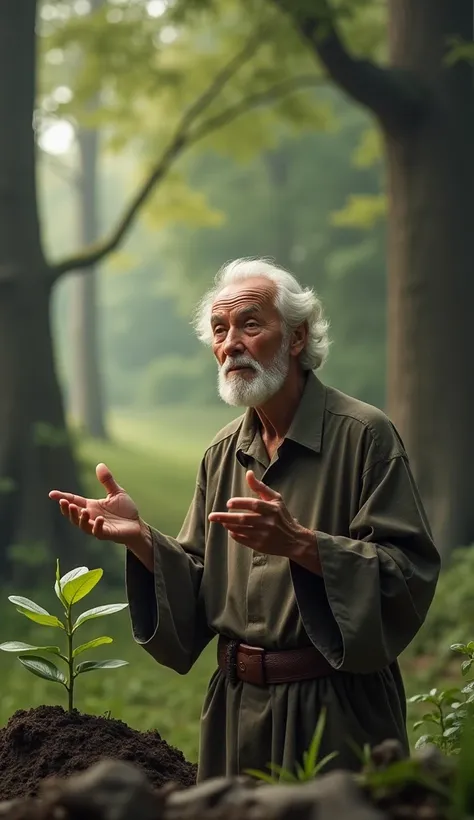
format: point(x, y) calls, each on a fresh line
point(250, 664)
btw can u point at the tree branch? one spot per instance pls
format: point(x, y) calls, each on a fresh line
point(268, 95)
point(393, 95)
point(179, 142)
point(185, 136)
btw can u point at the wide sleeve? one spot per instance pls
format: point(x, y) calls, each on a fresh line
point(377, 584)
point(167, 608)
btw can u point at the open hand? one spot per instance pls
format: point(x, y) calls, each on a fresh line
point(114, 518)
point(264, 523)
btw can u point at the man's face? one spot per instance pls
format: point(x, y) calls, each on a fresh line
point(249, 343)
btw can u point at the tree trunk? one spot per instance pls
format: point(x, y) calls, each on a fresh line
point(85, 386)
point(431, 283)
point(35, 455)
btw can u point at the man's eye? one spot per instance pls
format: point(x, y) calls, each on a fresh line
point(219, 330)
point(252, 325)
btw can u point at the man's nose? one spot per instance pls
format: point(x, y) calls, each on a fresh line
point(233, 343)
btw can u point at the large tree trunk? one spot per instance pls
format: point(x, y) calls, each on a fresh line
point(431, 282)
point(85, 386)
point(35, 455)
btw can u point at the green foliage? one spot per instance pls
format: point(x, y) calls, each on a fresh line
point(70, 589)
point(459, 51)
point(451, 614)
point(361, 211)
point(311, 765)
point(448, 710)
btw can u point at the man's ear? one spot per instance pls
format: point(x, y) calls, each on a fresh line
point(298, 339)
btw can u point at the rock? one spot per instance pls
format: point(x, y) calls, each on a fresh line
point(334, 796)
point(110, 790)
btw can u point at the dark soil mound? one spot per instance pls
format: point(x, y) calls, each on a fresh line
point(48, 741)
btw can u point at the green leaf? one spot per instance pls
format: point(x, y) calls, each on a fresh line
point(323, 762)
point(79, 587)
point(91, 645)
point(465, 666)
point(43, 669)
point(313, 751)
point(34, 612)
point(453, 730)
point(60, 582)
point(19, 646)
point(267, 778)
point(417, 699)
point(459, 647)
point(89, 666)
point(283, 774)
point(57, 587)
point(98, 612)
point(423, 740)
point(431, 717)
point(450, 694)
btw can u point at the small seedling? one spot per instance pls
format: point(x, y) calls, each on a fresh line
point(311, 765)
point(70, 589)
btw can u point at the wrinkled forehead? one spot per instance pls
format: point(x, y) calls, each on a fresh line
point(257, 294)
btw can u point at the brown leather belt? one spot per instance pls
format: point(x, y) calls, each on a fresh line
point(252, 664)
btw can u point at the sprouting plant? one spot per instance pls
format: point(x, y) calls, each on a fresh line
point(311, 765)
point(70, 589)
point(448, 709)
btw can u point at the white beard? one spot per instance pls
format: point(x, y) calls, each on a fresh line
point(255, 390)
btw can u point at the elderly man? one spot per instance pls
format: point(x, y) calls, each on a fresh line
point(306, 549)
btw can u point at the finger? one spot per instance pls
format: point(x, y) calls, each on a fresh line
point(248, 519)
point(58, 495)
point(254, 504)
point(74, 514)
point(259, 487)
point(98, 527)
point(107, 480)
point(241, 538)
point(84, 521)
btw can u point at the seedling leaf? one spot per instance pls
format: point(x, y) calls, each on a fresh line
point(90, 645)
point(98, 612)
point(90, 666)
point(34, 612)
point(77, 588)
point(19, 646)
point(43, 669)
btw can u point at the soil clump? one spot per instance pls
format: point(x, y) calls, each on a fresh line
point(49, 742)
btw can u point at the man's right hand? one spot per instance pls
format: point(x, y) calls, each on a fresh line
point(114, 518)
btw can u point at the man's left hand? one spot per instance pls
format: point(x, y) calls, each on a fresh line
point(263, 523)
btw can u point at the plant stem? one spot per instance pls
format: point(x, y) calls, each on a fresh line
point(70, 661)
point(442, 727)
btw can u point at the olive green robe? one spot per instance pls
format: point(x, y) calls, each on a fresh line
point(343, 472)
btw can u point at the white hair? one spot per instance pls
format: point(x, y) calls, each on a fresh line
point(295, 304)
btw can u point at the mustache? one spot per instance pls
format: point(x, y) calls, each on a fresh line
point(238, 361)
